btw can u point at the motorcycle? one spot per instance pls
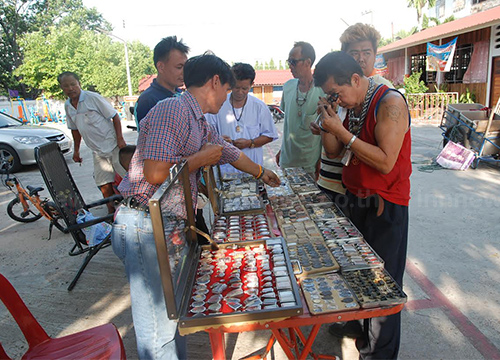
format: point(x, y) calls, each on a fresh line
point(277, 113)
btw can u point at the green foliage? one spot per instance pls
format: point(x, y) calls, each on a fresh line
point(419, 5)
point(413, 84)
point(98, 60)
point(21, 17)
point(467, 98)
point(443, 89)
point(401, 34)
point(272, 66)
point(426, 21)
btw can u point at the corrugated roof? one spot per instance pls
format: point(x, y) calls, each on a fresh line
point(272, 77)
point(466, 24)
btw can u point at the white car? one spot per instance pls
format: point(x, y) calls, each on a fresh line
point(18, 142)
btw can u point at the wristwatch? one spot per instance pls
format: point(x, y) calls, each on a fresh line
point(252, 145)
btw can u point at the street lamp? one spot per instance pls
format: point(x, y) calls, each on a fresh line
point(126, 57)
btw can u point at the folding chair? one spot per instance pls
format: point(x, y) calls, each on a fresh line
point(67, 197)
point(101, 342)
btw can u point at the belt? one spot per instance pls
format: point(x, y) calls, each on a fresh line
point(133, 203)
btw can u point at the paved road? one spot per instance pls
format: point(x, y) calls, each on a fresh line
point(452, 279)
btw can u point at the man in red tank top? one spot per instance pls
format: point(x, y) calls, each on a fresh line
point(376, 138)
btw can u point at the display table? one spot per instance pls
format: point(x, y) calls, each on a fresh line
point(252, 283)
point(288, 342)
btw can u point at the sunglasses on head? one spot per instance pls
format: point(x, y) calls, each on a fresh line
point(293, 62)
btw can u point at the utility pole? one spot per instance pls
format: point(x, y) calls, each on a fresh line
point(127, 64)
point(102, 31)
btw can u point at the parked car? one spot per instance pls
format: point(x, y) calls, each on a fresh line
point(18, 142)
point(277, 113)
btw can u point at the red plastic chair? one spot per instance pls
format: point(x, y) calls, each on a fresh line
point(101, 342)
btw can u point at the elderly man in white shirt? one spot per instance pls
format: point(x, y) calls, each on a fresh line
point(91, 117)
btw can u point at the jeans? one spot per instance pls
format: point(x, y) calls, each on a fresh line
point(133, 242)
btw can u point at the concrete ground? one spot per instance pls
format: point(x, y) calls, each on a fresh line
point(452, 278)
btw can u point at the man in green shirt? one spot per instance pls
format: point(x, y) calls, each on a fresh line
point(300, 148)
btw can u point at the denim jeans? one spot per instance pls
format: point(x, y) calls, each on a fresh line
point(133, 242)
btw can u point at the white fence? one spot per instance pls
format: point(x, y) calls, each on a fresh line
point(430, 106)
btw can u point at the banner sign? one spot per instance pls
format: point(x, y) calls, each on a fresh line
point(380, 65)
point(440, 57)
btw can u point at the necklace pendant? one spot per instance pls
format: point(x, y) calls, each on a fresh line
point(300, 112)
point(238, 129)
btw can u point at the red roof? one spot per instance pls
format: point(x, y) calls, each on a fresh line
point(466, 24)
point(271, 77)
point(262, 77)
point(145, 82)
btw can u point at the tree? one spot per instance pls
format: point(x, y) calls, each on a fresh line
point(426, 21)
point(272, 66)
point(98, 60)
point(401, 34)
point(419, 6)
point(19, 17)
point(280, 65)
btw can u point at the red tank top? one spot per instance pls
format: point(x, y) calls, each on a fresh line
point(363, 180)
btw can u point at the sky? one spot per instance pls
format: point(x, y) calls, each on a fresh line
point(251, 31)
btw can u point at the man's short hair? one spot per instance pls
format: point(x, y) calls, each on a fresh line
point(200, 69)
point(338, 64)
point(67, 73)
point(306, 50)
point(243, 71)
point(163, 48)
point(359, 32)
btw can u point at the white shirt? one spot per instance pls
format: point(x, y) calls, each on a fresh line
point(92, 119)
point(255, 121)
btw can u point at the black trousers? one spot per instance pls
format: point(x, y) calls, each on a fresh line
point(387, 234)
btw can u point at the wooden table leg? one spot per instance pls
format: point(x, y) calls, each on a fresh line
point(218, 344)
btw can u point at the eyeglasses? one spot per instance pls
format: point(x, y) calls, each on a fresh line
point(293, 62)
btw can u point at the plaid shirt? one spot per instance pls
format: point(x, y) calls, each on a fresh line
point(172, 130)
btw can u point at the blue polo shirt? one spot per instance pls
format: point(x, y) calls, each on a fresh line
point(149, 98)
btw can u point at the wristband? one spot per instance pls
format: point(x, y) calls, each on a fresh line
point(252, 144)
point(261, 172)
point(259, 175)
point(349, 144)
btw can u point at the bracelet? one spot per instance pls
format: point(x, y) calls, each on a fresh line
point(348, 146)
point(261, 172)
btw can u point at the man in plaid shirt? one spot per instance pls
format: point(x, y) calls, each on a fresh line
point(175, 129)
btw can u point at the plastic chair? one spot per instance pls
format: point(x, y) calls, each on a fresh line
point(101, 342)
point(69, 201)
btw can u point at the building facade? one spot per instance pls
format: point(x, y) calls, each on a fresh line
point(476, 63)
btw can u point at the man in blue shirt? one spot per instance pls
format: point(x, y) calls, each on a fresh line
point(169, 57)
